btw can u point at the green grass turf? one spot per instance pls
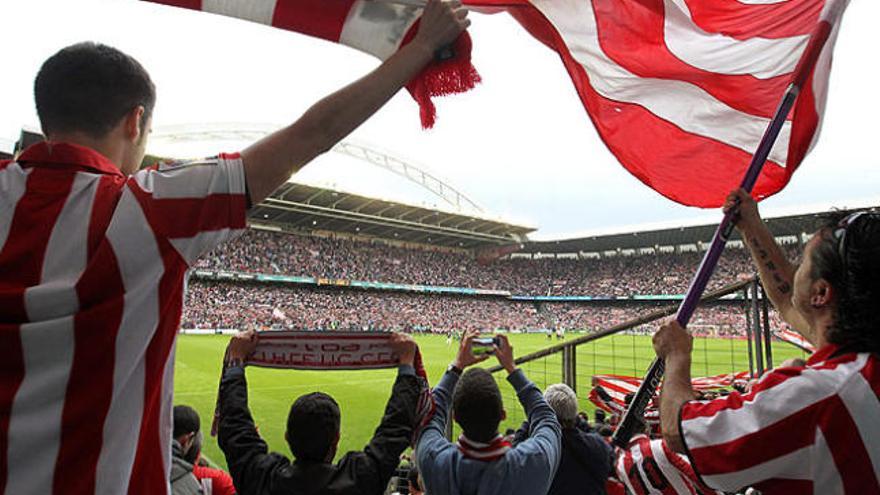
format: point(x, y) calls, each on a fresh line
point(362, 394)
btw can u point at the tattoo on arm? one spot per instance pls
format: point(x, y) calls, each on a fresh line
point(781, 284)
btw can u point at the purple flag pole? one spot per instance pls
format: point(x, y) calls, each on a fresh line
point(636, 409)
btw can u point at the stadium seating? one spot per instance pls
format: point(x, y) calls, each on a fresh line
point(279, 253)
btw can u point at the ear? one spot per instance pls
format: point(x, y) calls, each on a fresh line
point(132, 123)
point(821, 294)
point(503, 414)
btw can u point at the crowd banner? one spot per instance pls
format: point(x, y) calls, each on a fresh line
point(299, 350)
point(323, 350)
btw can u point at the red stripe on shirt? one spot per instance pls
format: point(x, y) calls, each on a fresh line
point(633, 35)
point(148, 475)
point(321, 18)
point(848, 449)
point(871, 372)
point(776, 440)
point(21, 263)
point(735, 400)
point(180, 218)
point(101, 292)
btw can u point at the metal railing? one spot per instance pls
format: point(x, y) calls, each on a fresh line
point(626, 348)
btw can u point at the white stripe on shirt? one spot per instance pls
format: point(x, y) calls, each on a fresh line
point(141, 268)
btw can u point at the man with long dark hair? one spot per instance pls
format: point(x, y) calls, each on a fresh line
point(801, 429)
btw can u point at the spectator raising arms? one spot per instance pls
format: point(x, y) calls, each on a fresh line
point(313, 434)
point(810, 429)
point(93, 254)
point(483, 461)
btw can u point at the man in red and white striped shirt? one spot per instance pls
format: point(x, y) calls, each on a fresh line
point(93, 253)
point(810, 429)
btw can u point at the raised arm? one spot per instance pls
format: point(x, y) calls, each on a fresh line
point(379, 460)
point(777, 273)
point(540, 453)
point(272, 160)
point(247, 455)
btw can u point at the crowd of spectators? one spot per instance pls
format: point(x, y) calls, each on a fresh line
point(247, 305)
point(376, 261)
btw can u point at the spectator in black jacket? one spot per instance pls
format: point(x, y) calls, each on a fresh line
point(313, 434)
point(587, 458)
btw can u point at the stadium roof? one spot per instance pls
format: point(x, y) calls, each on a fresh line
point(307, 207)
point(781, 226)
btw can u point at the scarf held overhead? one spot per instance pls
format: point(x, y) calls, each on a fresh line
point(334, 351)
point(376, 27)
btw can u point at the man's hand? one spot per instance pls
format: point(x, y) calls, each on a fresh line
point(672, 341)
point(745, 208)
point(441, 23)
point(241, 345)
point(405, 347)
point(466, 355)
point(504, 353)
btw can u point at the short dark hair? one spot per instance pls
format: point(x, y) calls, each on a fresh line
point(477, 405)
point(312, 426)
point(89, 87)
point(856, 280)
point(186, 420)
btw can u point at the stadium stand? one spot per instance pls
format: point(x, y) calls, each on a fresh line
point(379, 260)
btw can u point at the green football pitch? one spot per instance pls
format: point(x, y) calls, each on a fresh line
point(362, 394)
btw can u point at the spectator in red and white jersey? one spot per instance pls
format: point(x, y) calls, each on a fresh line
point(93, 254)
point(810, 429)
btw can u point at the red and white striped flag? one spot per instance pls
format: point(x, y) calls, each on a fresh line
point(681, 91)
point(609, 391)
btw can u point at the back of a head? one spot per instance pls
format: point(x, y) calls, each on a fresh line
point(850, 260)
point(313, 427)
point(89, 87)
point(477, 404)
point(563, 401)
point(186, 420)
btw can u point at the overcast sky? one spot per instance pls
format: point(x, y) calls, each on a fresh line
point(520, 145)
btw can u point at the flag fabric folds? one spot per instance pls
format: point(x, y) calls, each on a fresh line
point(681, 91)
point(609, 392)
